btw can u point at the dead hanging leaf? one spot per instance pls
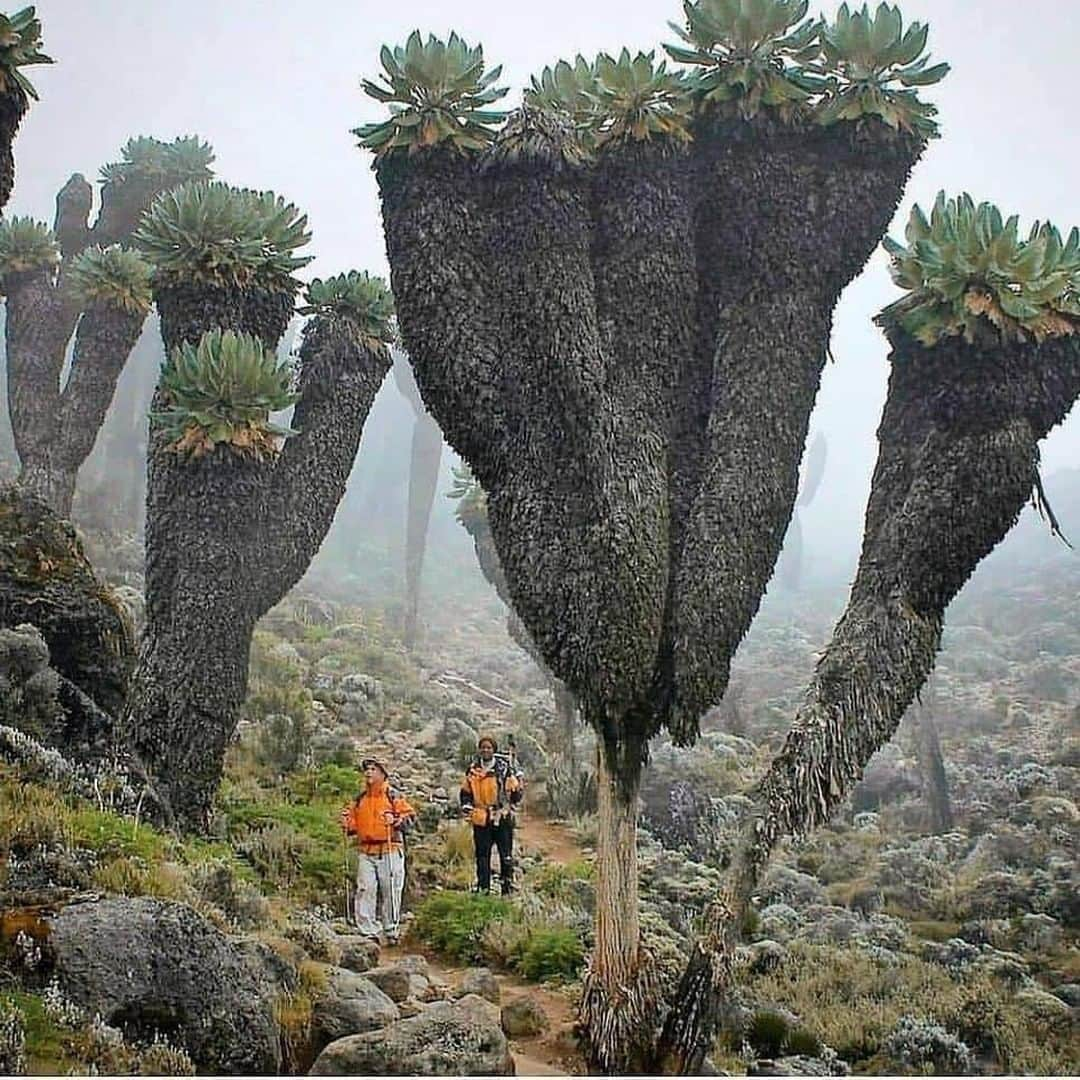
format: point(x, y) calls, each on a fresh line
point(1052, 324)
point(983, 302)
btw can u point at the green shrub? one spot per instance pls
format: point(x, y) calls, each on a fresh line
point(801, 1042)
point(767, 1033)
point(555, 880)
point(550, 953)
point(454, 922)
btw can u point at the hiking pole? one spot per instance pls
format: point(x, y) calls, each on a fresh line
point(391, 899)
point(349, 914)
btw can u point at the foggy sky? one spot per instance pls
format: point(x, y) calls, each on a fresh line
point(274, 86)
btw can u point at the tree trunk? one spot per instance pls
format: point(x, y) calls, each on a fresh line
point(13, 105)
point(226, 538)
point(621, 994)
point(424, 464)
point(958, 459)
point(791, 215)
point(932, 767)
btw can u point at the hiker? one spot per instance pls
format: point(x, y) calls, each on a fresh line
point(492, 788)
point(378, 817)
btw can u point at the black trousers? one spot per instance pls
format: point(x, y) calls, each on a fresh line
point(500, 836)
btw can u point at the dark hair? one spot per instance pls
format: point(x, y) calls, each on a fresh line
point(489, 739)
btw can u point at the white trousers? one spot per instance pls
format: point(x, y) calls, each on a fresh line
point(379, 882)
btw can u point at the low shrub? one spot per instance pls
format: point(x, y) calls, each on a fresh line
point(553, 952)
point(454, 922)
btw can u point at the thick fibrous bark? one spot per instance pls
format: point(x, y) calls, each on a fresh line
point(13, 106)
point(627, 355)
point(424, 461)
point(958, 459)
point(72, 417)
point(794, 215)
point(55, 427)
point(225, 540)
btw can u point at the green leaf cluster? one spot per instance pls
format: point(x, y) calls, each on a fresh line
point(438, 94)
point(223, 391)
point(616, 100)
point(969, 272)
point(471, 500)
point(26, 245)
point(213, 234)
point(166, 164)
point(750, 54)
point(20, 46)
point(115, 275)
point(873, 65)
point(362, 298)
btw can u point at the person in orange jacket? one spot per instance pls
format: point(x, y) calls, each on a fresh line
point(379, 817)
point(493, 787)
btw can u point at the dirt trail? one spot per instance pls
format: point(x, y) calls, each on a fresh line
point(553, 1052)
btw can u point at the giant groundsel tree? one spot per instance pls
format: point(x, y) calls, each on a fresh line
point(20, 46)
point(234, 517)
point(618, 306)
point(985, 361)
point(81, 280)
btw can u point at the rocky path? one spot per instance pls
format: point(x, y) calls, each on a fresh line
point(553, 1052)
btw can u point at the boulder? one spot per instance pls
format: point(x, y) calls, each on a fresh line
point(394, 982)
point(479, 981)
point(459, 1038)
point(523, 1017)
point(348, 1004)
point(46, 580)
point(152, 966)
point(358, 953)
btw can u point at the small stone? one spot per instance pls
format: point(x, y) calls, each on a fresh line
point(394, 981)
point(482, 982)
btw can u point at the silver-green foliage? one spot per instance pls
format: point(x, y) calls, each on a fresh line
point(223, 391)
point(438, 94)
point(873, 65)
point(358, 296)
point(968, 271)
point(20, 46)
point(167, 164)
point(750, 54)
point(213, 234)
point(471, 500)
point(26, 244)
point(115, 276)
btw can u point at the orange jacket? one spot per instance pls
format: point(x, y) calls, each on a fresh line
point(363, 818)
point(486, 788)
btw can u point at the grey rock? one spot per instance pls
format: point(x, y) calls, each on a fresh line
point(348, 1005)
point(459, 1038)
point(358, 953)
point(799, 1065)
point(149, 966)
point(277, 970)
point(394, 982)
point(1069, 993)
point(479, 981)
point(522, 1017)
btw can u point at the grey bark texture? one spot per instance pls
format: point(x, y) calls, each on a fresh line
point(958, 459)
point(227, 537)
point(13, 106)
point(55, 426)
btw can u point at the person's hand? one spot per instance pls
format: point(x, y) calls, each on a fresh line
point(388, 817)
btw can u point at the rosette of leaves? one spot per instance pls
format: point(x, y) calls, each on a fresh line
point(750, 55)
point(358, 296)
point(532, 133)
point(639, 100)
point(438, 94)
point(874, 64)
point(26, 245)
point(969, 273)
point(471, 500)
point(222, 391)
point(20, 46)
point(114, 275)
point(213, 234)
point(166, 164)
point(568, 91)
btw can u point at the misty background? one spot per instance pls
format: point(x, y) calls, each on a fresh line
point(276, 92)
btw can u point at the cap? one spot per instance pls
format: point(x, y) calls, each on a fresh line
point(378, 765)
